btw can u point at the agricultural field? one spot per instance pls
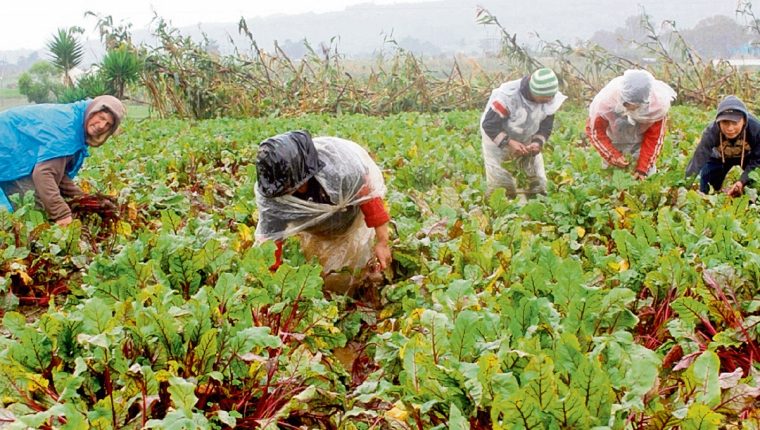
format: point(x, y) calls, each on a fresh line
point(10, 97)
point(608, 304)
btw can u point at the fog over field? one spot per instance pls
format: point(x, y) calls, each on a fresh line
point(431, 27)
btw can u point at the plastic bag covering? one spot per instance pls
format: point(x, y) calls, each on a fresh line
point(285, 162)
point(524, 120)
point(349, 177)
point(628, 126)
point(525, 116)
point(37, 133)
point(351, 249)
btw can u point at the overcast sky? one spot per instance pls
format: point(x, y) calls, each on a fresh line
point(29, 24)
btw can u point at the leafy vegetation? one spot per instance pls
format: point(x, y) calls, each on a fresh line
point(587, 67)
point(191, 79)
point(610, 303)
point(66, 52)
point(88, 86)
point(120, 68)
point(180, 76)
point(40, 83)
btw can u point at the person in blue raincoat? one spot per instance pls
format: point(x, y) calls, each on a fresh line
point(42, 147)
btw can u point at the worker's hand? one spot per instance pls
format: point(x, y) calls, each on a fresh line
point(533, 148)
point(65, 221)
point(619, 161)
point(639, 176)
point(383, 254)
point(518, 148)
point(736, 189)
point(108, 208)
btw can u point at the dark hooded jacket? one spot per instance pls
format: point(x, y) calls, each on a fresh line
point(709, 146)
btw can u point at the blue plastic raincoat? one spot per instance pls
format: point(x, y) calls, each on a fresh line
point(37, 133)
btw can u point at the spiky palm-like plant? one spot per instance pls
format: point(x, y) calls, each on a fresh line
point(121, 67)
point(66, 51)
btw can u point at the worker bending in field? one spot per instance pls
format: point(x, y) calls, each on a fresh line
point(627, 118)
point(514, 127)
point(329, 193)
point(733, 139)
point(42, 147)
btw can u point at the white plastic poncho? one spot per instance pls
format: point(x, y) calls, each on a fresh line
point(524, 120)
point(525, 116)
point(635, 86)
point(335, 233)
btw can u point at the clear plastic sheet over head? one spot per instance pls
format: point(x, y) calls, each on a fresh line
point(638, 87)
point(348, 176)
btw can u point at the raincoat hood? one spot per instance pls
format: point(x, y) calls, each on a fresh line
point(36, 133)
point(709, 147)
point(285, 162)
point(653, 96)
point(731, 104)
point(636, 86)
point(109, 104)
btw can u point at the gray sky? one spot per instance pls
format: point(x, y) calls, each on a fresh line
point(29, 24)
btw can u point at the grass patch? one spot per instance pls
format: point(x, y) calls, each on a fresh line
point(9, 93)
point(10, 97)
point(137, 111)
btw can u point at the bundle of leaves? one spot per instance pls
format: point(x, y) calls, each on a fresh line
point(100, 204)
point(610, 303)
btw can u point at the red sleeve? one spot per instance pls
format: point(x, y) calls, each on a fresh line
point(499, 108)
point(277, 257)
point(597, 135)
point(374, 212)
point(650, 146)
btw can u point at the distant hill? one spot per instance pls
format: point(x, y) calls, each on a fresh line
point(449, 25)
point(446, 26)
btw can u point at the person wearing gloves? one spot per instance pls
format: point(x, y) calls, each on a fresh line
point(733, 139)
point(627, 117)
point(515, 125)
point(42, 147)
point(329, 192)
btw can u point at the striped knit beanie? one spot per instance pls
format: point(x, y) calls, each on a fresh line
point(543, 82)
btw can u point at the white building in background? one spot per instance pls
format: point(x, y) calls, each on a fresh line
point(740, 62)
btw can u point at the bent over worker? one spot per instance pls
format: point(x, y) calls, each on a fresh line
point(42, 148)
point(627, 118)
point(329, 192)
point(514, 127)
point(733, 139)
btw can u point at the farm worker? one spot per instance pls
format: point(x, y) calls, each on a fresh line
point(733, 139)
point(42, 147)
point(329, 192)
point(515, 125)
point(627, 117)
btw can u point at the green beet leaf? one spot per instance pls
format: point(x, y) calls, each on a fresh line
point(704, 372)
point(701, 417)
point(456, 420)
point(464, 335)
